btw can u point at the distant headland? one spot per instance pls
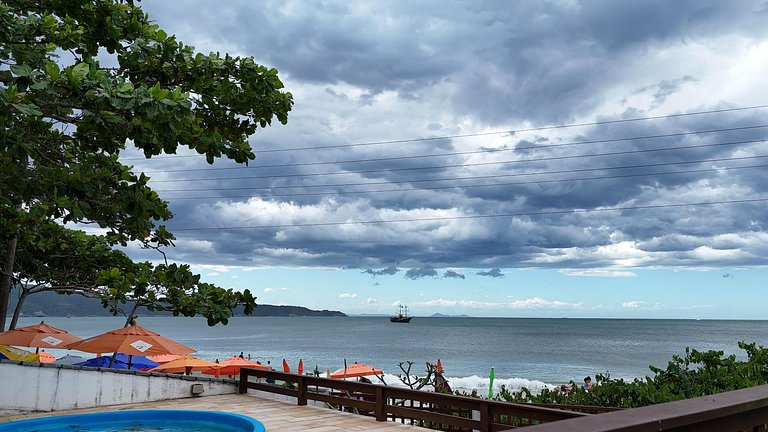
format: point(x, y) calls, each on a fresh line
point(52, 304)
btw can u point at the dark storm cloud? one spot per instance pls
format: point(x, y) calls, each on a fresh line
point(366, 73)
point(665, 88)
point(385, 271)
point(419, 273)
point(508, 60)
point(450, 274)
point(494, 273)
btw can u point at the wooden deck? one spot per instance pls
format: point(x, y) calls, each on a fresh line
point(276, 415)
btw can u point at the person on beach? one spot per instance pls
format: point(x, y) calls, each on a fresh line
point(241, 355)
point(588, 383)
point(270, 380)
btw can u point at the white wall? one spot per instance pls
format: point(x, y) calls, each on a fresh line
point(48, 387)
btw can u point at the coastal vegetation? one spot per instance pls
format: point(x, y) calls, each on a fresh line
point(81, 83)
point(697, 373)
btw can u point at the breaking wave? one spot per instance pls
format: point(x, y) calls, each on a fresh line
point(480, 384)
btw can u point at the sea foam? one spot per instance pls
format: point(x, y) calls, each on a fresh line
point(479, 384)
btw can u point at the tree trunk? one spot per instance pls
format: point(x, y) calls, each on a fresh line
point(131, 318)
point(6, 280)
point(17, 312)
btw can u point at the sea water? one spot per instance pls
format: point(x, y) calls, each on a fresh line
point(523, 352)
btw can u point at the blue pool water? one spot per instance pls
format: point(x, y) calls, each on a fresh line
point(139, 421)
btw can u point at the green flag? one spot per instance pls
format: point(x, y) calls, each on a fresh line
point(490, 385)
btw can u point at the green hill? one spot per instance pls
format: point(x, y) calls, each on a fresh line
point(52, 304)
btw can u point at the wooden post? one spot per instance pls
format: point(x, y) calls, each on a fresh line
point(485, 417)
point(243, 387)
point(381, 404)
point(301, 398)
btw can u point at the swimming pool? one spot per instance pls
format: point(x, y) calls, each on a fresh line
point(139, 421)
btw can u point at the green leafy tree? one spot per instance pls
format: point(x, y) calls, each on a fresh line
point(171, 288)
point(54, 258)
point(80, 80)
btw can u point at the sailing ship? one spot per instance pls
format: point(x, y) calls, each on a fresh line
point(402, 316)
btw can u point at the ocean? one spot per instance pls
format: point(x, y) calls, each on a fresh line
point(524, 352)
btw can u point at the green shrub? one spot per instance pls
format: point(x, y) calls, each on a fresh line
point(693, 375)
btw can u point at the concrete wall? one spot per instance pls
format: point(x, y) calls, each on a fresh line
point(26, 387)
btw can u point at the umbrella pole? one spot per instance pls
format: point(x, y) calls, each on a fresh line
point(130, 359)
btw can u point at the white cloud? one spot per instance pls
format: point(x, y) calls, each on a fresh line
point(371, 301)
point(212, 267)
point(530, 303)
point(268, 290)
point(347, 295)
point(633, 304)
point(599, 273)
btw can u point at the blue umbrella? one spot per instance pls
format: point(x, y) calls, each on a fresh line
point(103, 362)
point(136, 362)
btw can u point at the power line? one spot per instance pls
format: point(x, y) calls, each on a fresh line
point(621, 153)
point(398, 158)
point(501, 215)
point(511, 131)
point(487, 185)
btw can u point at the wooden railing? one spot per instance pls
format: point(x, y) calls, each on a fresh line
point(743, 410)
point(426, 409)
point(735, 411)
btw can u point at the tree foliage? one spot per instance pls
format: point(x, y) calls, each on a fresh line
point(695, 374)
point(80, 80)
point(172, 288)
point(54, 258)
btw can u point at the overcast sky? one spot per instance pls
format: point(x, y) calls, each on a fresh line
point(496, 158)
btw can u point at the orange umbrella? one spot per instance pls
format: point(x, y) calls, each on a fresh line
point(133, 340)
point(439, 366)
point(163, 358)
point(356, 370)
point(46, 357)
point(301, 367)
point(39, 335)
point(185, 364)
point(232, 366)
point(286, 368)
